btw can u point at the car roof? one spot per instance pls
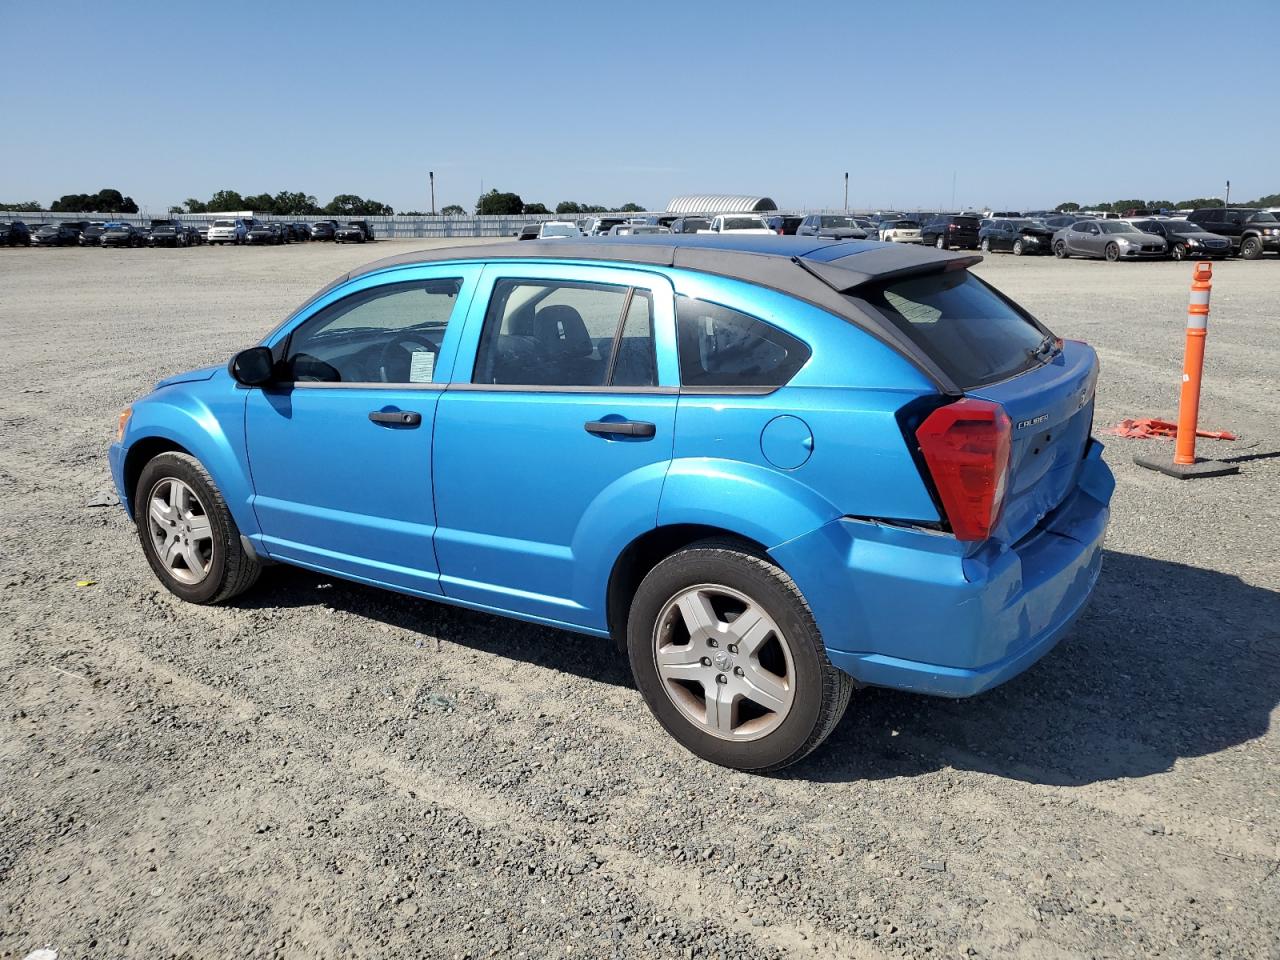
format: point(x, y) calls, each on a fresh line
point(813, 270)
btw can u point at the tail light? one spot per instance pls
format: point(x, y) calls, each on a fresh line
point(966, 447)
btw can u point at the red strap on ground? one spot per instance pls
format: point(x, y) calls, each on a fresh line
point(1145, 428)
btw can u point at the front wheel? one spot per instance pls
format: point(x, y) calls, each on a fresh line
point(728, 657)
point(1018, 249)
point(1112, 253)
point(1179, 251)
point(941, 242)
point(985, 245)
point(188, 535)
point(1060, 250)
point(1250, 248)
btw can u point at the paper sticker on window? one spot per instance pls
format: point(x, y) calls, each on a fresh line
point(422, 367)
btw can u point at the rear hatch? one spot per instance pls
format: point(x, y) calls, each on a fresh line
point(994, 351)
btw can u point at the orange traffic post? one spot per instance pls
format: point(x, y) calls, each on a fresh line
point(1184, 447)
point(1185, 465)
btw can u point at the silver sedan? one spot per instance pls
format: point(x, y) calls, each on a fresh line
point(1107, 239)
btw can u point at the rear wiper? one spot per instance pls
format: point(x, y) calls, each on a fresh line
point(1047, 349)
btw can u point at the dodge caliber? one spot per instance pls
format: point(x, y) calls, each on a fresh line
point(774, 470)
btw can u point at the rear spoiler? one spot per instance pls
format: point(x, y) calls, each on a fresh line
point(846, 279)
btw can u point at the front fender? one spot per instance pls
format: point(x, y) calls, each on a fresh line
point(762, 504)
point(206, 422)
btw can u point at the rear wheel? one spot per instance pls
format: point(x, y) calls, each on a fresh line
point(188, 535)
point(1060, 250)
point(728, 657)
point(1112, 252)
point(1250, 248)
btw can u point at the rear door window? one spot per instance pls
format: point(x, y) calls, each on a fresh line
point(721, 348)
point(975, 336)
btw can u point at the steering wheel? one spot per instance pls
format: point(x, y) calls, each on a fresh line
point(389, 365)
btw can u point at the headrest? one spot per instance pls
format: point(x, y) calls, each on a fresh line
point(561, 331)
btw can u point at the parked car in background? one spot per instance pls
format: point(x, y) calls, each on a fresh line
point(91, 234)
point(366, 227)
point(1016, 236)
point(899, 231)
point(892, 485)
point(637, 230)
point(950, 231)
point(56, 235)
point(528, 232)
point(323, 230)
point(1004, 215)
point(167, 233)
point(784, 226)
point(690, 224)
point(262, 234)
point(302, 230)
point(737, 223)
point(1252, 232)
point(1058, 221)
point(1186, 239)
point(195, 234)
point(116, 234)
point(1107, 239)
point(14, 233)
point(228, 231)
point(599, 226)
point(561, 230)
point(664, 220)
point(349, 233)
point(831, 226)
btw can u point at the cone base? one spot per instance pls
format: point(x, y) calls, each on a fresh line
point(1199, 470)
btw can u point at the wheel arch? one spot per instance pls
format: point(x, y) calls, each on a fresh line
point(141, 452)
point(644, 553)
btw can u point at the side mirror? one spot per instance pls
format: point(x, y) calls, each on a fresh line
point(253, 367)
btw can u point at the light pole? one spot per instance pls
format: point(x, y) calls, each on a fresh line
point(846, 192)
point(1227, 202)
point(431, 175)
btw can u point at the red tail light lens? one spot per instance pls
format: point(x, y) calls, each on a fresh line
point(966, 446)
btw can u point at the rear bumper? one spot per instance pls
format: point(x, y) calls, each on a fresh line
point(906, 608)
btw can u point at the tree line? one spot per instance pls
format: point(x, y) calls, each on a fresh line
point(285, 203)
point(495, 203)
point(1119, 206)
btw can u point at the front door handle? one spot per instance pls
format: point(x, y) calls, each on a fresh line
point(399, 418)
point(620, 428)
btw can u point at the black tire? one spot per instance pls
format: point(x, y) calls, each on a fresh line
point(1060, 250)
point(985, 245)
point(820, 693)
point(1179, 251)
point(1018, 249)
point(231, 569)
point(1250, 248)
point(941, 242)
point(1111, 252)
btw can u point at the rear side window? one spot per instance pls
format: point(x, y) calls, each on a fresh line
point(968, 330)
point(720, 347)
point(555, 333)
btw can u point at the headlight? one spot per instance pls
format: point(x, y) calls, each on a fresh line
point(1192, 242)
point(1123, 241)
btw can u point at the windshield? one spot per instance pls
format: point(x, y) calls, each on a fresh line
point(559, 231)
point(1181, 226)
point(743, 223)
point(1115, 226)
point(968, 330)
point(1263, 218)
point(838, 222)
point(1022, 224)
point(118, 228)
point(224, 223)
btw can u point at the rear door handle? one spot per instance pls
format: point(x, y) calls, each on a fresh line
point(400, 418)
point(620, 428)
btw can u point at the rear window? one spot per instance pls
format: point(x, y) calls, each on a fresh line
point(960, 323)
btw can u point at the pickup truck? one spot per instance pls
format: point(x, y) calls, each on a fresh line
point(738, 223)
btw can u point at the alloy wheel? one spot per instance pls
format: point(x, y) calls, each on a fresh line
point(724, 663)
point(180, 531)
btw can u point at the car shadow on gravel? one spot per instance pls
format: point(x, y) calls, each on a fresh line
point(1168, 661)
point(588, 657)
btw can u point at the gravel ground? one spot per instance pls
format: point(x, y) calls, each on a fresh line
point(326, 770)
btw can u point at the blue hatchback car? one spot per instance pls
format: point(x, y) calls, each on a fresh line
point(772, 468)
